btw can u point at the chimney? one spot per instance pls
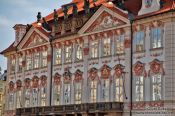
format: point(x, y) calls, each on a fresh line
point(20, 30)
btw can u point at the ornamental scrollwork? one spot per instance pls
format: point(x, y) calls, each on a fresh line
point(78, 76)
point(57, 79)
point(105, 72)
point(119, 70)
point(139, 69)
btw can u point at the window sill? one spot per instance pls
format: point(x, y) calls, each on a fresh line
point(120, 54)
point(106, 56)
point(156, 49)
point(93, 58)
point(78, 61)
point(57, 64)
point(139, 52)
point(67, 63)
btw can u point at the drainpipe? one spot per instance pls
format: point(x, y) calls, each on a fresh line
point(51, 68)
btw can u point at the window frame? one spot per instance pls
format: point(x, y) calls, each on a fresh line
point(106, 42)
point(36, 60)
point(44, 62)
point(152, 38)
point(117, 97)
point(143, 85)
point(139, 39)
point(78, 92)
point(121, 39)
point(79, 51)
point(94, 49)
point(58, 57)
point(68, 54)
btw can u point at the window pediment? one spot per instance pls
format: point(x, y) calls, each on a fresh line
point(119, 70)
point(105, 72)
point(139, 69)
point(156, 67)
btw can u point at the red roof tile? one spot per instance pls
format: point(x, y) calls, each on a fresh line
point(9, 49)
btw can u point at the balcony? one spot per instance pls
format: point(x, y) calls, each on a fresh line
point(72, 108)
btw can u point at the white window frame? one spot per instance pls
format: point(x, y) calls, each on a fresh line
point(29, 62)
point(78, 92)
point(27, 97)
point(106, 50)
point(79, 52)
point(68, 54)
point(58, 55)
point(139, 88)
point(44, 58)
point(119, 43)
point(20, 60)
point(156, 38)
point(43, 95)
point(105, 85)
point(94, 48)
point(93, 91)
point(156, 84)
point(67, 93)
point(119, 89)
point(139, 41)
point(36, 60)
point(57, 94)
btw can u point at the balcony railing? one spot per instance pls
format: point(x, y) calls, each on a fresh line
point(73, 108)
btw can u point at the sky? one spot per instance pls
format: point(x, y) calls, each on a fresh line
point(21, 12)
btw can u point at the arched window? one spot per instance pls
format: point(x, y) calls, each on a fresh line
point(67, 87)
point(78, 86)
point(118, 82)
point(57, 89)
point(156, 73)
point(93, 84)
point(27, 92)
point(105, 82)
point(139, 74)
point(11, 95)
point(43, 90)
point(35, 91)
point(18, 93)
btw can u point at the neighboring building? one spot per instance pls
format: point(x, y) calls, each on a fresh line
point(3, 78)
point(77, 61)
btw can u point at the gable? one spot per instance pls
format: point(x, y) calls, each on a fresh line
point(104, 19)
point(34, 40)
point(34, 37)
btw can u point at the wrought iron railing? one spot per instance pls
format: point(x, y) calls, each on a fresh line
point(72, 108)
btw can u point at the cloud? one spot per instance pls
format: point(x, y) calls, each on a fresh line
point(4, 21)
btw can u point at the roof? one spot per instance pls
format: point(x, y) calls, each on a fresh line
point(9, 49)
point(132, 5)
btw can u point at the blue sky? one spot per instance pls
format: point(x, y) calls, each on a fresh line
point(21, 12)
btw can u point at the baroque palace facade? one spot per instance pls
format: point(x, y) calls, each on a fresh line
point(77, 61)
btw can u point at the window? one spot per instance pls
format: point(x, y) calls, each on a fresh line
point(68, 54)
point(43, 96)
point(19, 98)
point(67, 97)
point(36, 60)
point(78, 93)
point(79, 52)
point(156, 87)
point(13, 62)
point(44, 59)
point(119, 89)
point(120, 44)
point(11, 101)
point(106, 47)
point(29, 62)
point(20, 64)
point(27, 97)
point(139, 88)
point(93, 91)
point(57, 94)
point(94, 49)
point(105, 90)
point(139, 41)
point(58, 56)
point(156, 38)
point(35, 97)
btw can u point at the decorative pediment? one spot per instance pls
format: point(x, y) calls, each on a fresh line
point(78, 76)
point(105, 71)
point(35, 82)
point(67, 76)
point(36, 36)
point(18, 84)
point(93, 74)
point(139, 69)
point(34, 40)
point(43, 80)
point(119, 70)
point(57, 79)
point(27, 82)
point(156, 67)
point(104, 19)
